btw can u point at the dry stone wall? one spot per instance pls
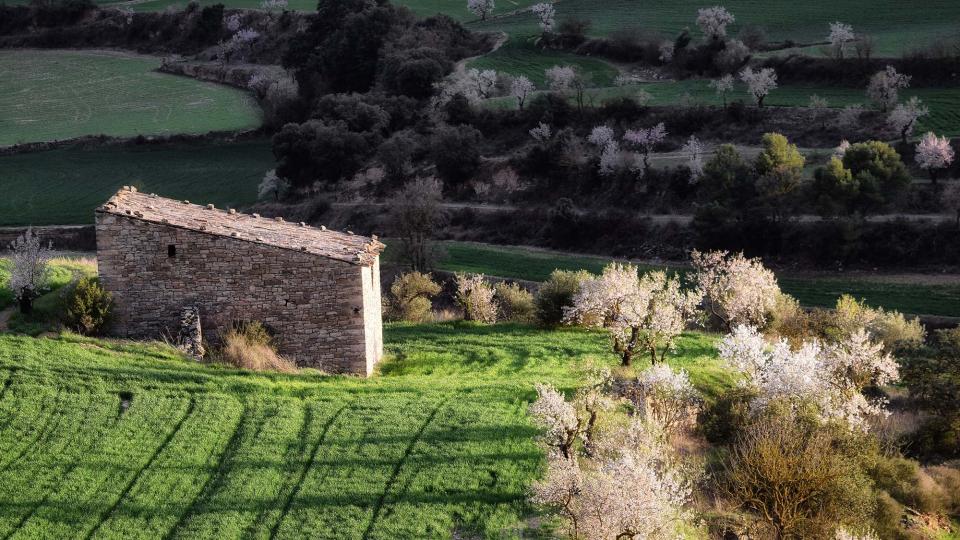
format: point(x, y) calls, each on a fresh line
point(325, 313)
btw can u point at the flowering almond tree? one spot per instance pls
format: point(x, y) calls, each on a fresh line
point(520, 88)
point(641, 313)
point(645, 139)
point(934, 154)
point(759, 83)
point(723, 86)
point(884, 87)
point(630, 490)
point(713, 21)
point(694, 150)
point(480, 8)
point(904, 117)
point(832, 377)
point(840, 35)
point(735, 290)
point(665, 398)
point(29, 273)
point(546, 16)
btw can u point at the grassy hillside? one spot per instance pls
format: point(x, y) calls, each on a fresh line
point(52, 95)
point(536, 265)
point(63, 186)
point(110, 440)
point(896, 26)
point(944, 103)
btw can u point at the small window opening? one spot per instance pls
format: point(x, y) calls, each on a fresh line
point(171, 250)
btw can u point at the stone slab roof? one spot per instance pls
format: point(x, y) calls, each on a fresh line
point(347, 247)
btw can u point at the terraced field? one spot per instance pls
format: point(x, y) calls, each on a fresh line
point(54, 95)
point(933, 297)
point(944, 103)
point(63, 186)
point(112, 440)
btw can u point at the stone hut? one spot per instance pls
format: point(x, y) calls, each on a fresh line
point(317, 290)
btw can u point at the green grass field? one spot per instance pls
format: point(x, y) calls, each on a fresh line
point(439, 446)
point(536, 265)
point(55, 95)
point(64, 186)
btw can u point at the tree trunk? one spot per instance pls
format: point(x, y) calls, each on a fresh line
point(26, 304)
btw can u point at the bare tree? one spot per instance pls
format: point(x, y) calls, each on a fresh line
point(415, 214)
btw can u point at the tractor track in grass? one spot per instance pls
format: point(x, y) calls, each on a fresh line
point(378, 507)
point(215, 479)
point(41, 442)
point(48, 418)
point(306, 468)
point(74, 462)
point(133, 481)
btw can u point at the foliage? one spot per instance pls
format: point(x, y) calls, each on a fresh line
point(455, 152)
point(890, 328)
point(476, 297)
point(250, 346)
point(735, 290)
point(410, 296)
point(878, 169)
point(316, 152)
point(933, 376)
point(88, 307)
point(792, 477)
point(642, 313)
point(555, 295)
point(777, 154)
point(516, 304)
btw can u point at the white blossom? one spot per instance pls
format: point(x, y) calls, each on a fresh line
point(232, 22)
point(840, 35)
point(849, 116)
point(695, 151)
point(735, 289)
point(272, 187)
point(520, 88)
point(759, 83)
point(546, 15)
point(480, 8)
point(903, 118)
point(817, 103)
point(723, 86)
point(610, 158)
point(713, 21)
point(272, 5)
point(845, 534)
point(841, 149)
point(641, 313)
point(646, 139)
point(29, 272)
point(560, 78)
point(541, 133)
point(601, 136)
point(832, 378)
point(665, 398)
point(934, 153)
point(884, 87)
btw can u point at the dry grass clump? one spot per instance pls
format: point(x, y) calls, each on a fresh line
point(250, 346)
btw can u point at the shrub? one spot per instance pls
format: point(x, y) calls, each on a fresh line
point(250, 346)
point(794, 478)
point(88, 307)
point(476, 297)
point(788, 320)
point(456, 152)
point(889, 327)
point(557, 293)
point(516, 303)
point(410, 297)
